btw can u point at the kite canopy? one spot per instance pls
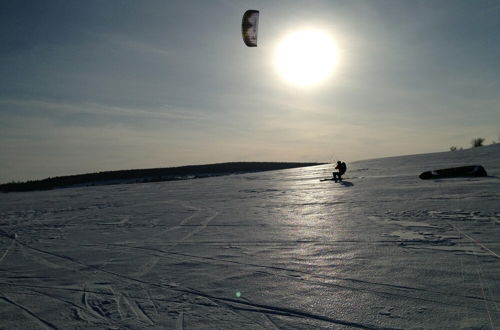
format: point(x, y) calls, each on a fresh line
point(249, 26)
point(463, 171)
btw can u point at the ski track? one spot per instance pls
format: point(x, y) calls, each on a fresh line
point(151, 299)
point(90, 309)
point(121, 222)
point(272, 268)
point(8, 250)
point(269, 308)
point(179, 325)
point(79, 309)
point(183, 221)
point(199, 228)
point(43, 323)
point(269, 324)
point(326, 277)
point(139, 310)
point(152, 262)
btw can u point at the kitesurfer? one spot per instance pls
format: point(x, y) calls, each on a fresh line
point(342, 167)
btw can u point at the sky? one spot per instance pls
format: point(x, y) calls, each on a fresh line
point(89, 86)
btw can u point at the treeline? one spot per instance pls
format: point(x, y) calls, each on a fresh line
point(148, 175)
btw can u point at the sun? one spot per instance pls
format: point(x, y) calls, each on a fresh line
point(306, 57)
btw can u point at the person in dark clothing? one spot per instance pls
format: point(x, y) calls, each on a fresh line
point(342, 167)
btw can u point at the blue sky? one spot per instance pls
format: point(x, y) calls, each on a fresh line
point(90, 86)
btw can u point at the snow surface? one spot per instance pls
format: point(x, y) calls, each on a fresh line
point(265, 250)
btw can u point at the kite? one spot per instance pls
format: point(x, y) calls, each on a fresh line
point(249, 27)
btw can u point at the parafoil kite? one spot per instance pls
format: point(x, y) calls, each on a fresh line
point(249, 27)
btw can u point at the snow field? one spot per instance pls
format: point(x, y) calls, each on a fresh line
point(383, 250)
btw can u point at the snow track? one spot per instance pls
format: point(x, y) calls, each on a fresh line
point(104, 309)
point(7, 250)
point(38, 320)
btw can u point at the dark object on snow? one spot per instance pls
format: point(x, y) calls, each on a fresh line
point(463, 171)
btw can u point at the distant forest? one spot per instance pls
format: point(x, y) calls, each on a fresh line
point(148, 175)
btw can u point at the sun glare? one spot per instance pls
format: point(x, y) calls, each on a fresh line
point(306, 57)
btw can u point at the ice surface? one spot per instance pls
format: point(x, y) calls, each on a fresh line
point(383, 250)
